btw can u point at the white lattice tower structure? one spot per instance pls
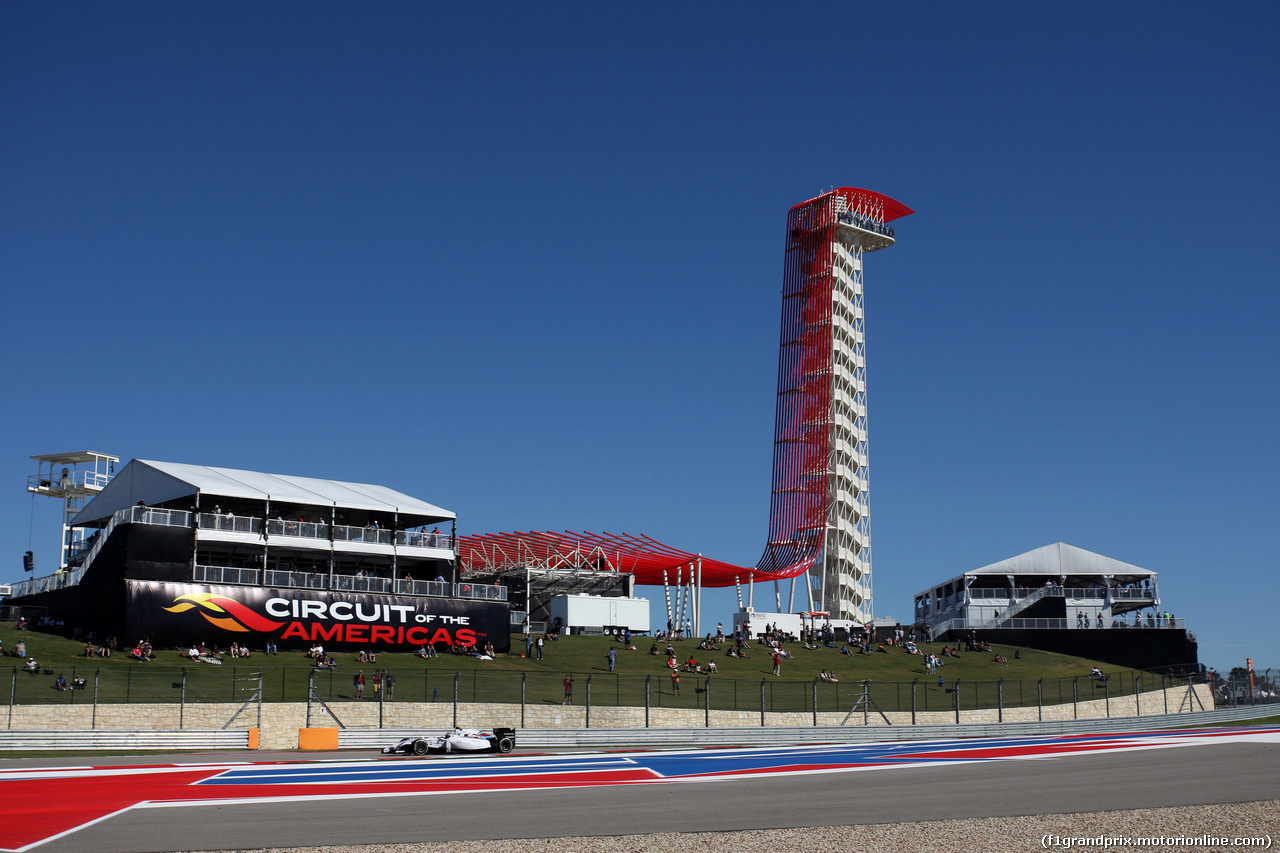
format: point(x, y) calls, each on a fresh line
point(820, 516)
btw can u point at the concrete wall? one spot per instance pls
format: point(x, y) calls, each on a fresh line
point(281, 721)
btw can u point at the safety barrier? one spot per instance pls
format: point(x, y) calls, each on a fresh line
point(352, 738)
point(11, 740)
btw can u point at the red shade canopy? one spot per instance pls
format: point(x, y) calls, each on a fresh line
point(640, 556)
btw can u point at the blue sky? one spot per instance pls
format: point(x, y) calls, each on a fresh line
point(523, 261)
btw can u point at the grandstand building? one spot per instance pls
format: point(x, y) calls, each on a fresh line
point(1060, 598)
point(182, 552)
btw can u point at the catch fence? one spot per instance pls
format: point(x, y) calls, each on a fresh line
point(239, 684)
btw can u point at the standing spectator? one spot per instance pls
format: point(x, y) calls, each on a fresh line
point(568, 690)
point(541, 641)
point(358, 681)
point(777, 663)
point(377, 685)
point(390, 681)
point(675, 681)
point(613, 658)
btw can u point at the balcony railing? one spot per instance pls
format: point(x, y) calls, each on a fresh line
point(230, 523)
point(487, 592)
point(866, 223)
point(959, 624)
point(304, 529)
point(295, 579)
point(155, 515)
point(224, 574)
point(372, 535)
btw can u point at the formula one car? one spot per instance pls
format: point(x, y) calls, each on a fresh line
point(456, 740)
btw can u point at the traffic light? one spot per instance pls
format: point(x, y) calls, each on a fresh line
point(28, 562)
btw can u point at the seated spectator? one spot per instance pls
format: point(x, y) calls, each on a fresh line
point(61, 683)
point(33, 666)
point(711, 666)
point(1001, 659)
point(77, 683)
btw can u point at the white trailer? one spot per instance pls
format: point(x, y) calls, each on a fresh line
point(599, 612)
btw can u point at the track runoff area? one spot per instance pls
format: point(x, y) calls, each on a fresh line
point(44, 804)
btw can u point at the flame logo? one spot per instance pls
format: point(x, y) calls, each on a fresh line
point(222, 612)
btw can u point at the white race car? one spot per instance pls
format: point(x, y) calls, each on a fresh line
point(456, 740)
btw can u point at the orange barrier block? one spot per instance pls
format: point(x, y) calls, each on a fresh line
point(318, 738)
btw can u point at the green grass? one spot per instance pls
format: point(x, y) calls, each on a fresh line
point(738, 685)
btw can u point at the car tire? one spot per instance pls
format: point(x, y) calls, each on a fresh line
point(505, 745)
point(420, 747)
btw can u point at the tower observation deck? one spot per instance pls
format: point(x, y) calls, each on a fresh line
point(819, 519)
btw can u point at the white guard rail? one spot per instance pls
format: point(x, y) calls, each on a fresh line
point(12, 740)
point(774, 735)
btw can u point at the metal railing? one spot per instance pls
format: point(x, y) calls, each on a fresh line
point(47, 739)
point(368, 535)
point(224, 574)
point(604, 738)
point(960, 624)
point(295, 579)
point(302, 529)
point(435, 682)
point(486, 592)
point(229, 523)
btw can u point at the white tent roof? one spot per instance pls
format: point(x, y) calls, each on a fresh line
point(158, 482)
point(1061, 559)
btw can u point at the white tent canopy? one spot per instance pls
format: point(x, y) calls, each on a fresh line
point(160, 482)
point(1062, 559)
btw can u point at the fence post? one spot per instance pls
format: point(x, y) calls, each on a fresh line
point(1137, 695)
point(955, 699)
point(382, 691)
point(93, 723)
point(815, 703)
point(1000, 700)
point(1075, 698)
point(1164, 688)
point(13, 694)
point(762, 683)
point(866, 701)
point(1040, 700)
point(456, 676)
point(524, 678)
point(913, 700)
point(589, 677)
point(182, 698)
point(1106, 695)
point(647, 679)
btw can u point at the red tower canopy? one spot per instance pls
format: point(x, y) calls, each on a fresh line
point(856, 198)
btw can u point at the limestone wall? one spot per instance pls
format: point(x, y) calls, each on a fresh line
point(282, 720)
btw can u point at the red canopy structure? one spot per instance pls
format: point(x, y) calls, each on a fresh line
point(644, 558)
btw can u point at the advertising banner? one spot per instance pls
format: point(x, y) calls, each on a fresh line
point(178, 614)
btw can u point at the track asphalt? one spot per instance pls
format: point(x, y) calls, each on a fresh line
point(246, 802)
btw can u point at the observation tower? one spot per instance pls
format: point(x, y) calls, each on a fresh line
point(819, 518)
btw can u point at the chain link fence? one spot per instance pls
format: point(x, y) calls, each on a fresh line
point(226, 684)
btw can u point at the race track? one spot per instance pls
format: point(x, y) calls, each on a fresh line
point(152, 807)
